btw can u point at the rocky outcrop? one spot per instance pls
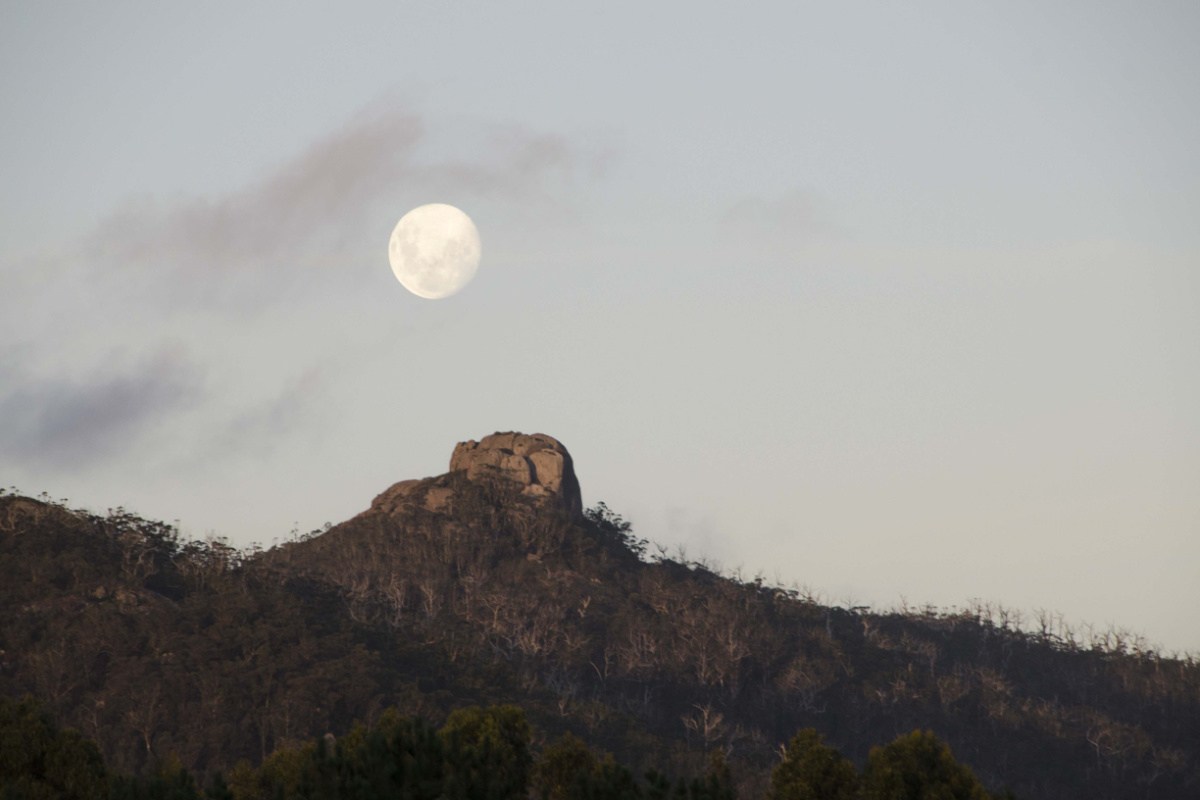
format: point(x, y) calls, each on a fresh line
point(538, 463)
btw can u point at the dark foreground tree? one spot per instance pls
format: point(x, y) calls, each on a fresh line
point(489, 747)
point(812, 770)
point(38, 760)
point(918, 767)
point(562, 765)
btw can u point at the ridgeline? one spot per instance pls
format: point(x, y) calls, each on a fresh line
point(488, 586)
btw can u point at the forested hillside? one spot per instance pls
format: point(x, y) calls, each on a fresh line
point(159, 648)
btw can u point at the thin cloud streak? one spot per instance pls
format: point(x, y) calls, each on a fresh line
point(285, 224)
point(326, 186)
point(796, 213)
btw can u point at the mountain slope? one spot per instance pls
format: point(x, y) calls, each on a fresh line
point(469, 589)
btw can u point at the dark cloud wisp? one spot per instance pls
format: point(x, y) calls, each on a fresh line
point(71, 424)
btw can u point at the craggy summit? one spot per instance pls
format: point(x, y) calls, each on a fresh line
point(540, 464)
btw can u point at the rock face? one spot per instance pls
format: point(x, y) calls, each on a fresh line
point(538, 463)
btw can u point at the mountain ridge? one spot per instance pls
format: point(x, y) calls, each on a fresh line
point(490, 593)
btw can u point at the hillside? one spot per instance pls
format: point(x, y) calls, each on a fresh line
point(488, 585)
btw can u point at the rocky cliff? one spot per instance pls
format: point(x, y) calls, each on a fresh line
point(538, 463)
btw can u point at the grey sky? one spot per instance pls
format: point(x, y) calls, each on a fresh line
point(893, 300)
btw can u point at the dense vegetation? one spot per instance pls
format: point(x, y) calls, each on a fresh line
point(153, 646)
point(479, 754)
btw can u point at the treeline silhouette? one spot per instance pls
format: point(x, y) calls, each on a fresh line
point(153, 645)
point(479, 754)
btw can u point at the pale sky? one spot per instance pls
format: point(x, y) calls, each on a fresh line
point(892, 300)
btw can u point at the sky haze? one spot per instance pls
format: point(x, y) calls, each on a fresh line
point(898, 302)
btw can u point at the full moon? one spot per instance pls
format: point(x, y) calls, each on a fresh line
point(434, 250)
